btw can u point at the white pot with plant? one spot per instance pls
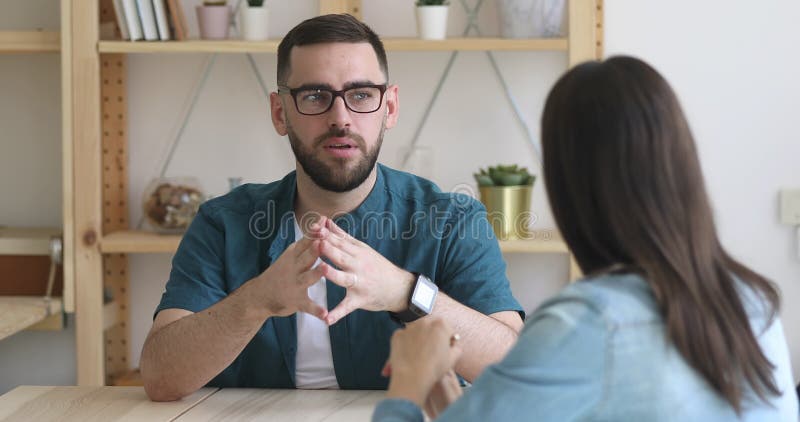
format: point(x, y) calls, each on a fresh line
point(254, 20)
point(432, 19)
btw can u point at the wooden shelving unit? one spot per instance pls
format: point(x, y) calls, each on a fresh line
point(95, 82)
point(30, 42)
point(19, 313)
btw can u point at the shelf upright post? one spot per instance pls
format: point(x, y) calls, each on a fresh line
point(583, 31)
point(68, 234)
point(84, 99)
point(352, 7)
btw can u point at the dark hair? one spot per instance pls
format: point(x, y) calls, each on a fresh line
point(625, 186)
point(328, 29)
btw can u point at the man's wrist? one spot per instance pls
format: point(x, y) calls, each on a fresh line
point(408, 281)
point(253, 305)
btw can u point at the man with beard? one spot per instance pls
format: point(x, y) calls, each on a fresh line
point(301, 282)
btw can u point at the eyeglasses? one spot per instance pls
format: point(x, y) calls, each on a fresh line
point(314, 101)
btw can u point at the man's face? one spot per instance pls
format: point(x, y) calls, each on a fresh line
point(336, 149)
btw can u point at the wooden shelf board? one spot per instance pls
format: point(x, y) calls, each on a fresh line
point(542, 241)
point(476, 44)
point(26, 241)
point(188, 46)
point(20, 312)
point(145, 242)
point(132, 378)
point(30, 42)
point(391, 44)
point(130, 241)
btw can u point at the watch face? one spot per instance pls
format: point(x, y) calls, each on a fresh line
point(424, 295)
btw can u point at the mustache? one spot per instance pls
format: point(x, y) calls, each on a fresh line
point(336, 132)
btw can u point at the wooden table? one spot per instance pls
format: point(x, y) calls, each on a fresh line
point(87, 404)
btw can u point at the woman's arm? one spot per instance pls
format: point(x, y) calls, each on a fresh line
point(554, 372)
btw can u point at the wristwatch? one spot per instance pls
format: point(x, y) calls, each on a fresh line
point(420, 304)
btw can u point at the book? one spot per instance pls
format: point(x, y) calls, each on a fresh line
point(178, 19)
point(160, 9)
point(121, 23)
point(148, 17)
point(132, 17)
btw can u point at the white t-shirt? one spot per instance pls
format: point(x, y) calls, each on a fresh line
point(314, 359)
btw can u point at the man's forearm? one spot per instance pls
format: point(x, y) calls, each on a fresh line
point(484, 340)
point(181, 357)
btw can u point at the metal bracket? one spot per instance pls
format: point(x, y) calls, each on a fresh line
point(56, 255)
point(472, 18)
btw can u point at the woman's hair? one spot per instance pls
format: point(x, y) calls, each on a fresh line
point(626, 188)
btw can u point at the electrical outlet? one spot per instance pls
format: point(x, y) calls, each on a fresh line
point(790, 207)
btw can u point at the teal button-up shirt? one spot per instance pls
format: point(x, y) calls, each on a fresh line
point(405, 218)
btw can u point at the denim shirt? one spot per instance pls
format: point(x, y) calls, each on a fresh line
point(406, 219)
point(599, 351)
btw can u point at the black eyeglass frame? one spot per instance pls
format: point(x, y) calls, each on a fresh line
point(282, 89)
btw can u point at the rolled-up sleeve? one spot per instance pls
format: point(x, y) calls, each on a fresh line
point(197, 278)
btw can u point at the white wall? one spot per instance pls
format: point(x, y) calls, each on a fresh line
point(732, 64)
point(735, 67)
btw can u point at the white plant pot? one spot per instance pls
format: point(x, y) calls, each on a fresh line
point(432, 22)
point(532, 18)
point(254, 23)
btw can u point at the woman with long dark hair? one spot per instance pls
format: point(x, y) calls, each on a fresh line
point(665, 325)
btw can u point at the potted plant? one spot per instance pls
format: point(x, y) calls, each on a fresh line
point(213, 18)
point(432, 19)
point(506, 193)
point(253, 21)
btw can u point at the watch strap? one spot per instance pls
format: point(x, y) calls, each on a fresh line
point(408, 315)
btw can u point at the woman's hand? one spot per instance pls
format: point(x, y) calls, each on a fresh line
point(421, 355)
point(443, 394)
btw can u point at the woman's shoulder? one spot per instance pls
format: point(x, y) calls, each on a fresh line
point(616, 298)
point(628, 299)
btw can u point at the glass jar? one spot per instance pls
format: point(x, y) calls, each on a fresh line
point(170, 203)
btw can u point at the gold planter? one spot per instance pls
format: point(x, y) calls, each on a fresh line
point(508, 210)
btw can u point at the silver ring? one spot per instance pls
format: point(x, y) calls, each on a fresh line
point(355, 280)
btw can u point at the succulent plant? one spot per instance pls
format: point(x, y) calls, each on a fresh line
point(501, 175)
point(432, 2)
point(255, 3)
point(214, 2)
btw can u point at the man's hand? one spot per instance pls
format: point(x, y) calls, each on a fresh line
point(284, 285)
point(373, 283)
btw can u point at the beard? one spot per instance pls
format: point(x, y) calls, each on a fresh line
point(336, 176)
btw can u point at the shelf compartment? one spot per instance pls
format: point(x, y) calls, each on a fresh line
point(18, 313)
point(391, 44)
point(146, 242)
point(30, 42)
